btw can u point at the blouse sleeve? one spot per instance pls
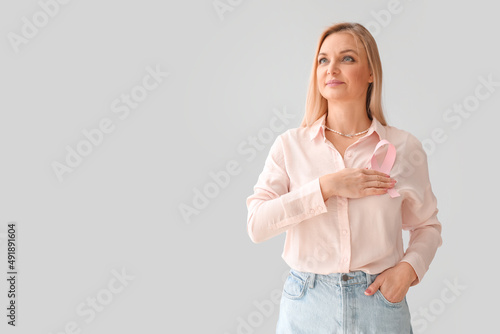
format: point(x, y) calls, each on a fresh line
point(273, 208)
point(419, 211)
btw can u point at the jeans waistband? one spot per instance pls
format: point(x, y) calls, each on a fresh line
point(342, 279)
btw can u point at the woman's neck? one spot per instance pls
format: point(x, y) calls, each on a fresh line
point(347, 118)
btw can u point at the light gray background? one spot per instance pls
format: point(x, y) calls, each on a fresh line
point(120, 207)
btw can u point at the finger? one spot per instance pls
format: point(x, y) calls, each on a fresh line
point(374, 286)
point(380, 184)
point(378, 176)
point(374, 172)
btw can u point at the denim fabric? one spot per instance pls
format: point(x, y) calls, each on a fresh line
point(336, 303)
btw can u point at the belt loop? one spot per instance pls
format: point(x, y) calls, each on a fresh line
point(312, 278)
point(368, 279)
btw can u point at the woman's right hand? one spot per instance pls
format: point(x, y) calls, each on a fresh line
point(355, 183)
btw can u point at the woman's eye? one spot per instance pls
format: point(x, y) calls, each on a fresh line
point(348, 58)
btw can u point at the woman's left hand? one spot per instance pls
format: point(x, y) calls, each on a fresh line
point(393, 282)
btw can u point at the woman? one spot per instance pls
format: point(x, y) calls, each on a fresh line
point(343, 201)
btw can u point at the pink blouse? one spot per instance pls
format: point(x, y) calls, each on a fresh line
point(345, 234)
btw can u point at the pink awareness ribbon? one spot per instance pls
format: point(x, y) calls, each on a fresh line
point(387, 164)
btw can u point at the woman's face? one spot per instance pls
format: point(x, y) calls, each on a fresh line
point(340, 59)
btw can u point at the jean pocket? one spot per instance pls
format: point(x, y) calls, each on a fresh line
point(295, 286)
point(382, 297)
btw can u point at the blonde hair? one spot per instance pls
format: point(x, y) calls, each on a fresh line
point(317, 105)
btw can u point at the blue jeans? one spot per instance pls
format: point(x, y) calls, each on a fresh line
point(336, 303)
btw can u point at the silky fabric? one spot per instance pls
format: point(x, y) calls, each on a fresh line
point(342, 234)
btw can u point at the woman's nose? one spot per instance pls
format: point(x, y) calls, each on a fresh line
point(332, 68)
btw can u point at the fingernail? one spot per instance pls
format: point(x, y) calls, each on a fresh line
point(367, 292)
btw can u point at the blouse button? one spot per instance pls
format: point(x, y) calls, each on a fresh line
point(349, 154)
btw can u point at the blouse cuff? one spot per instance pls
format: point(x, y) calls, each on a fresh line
point(304, 203)
point(418, 265)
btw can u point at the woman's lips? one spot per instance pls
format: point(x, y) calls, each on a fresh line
point(334, 83)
